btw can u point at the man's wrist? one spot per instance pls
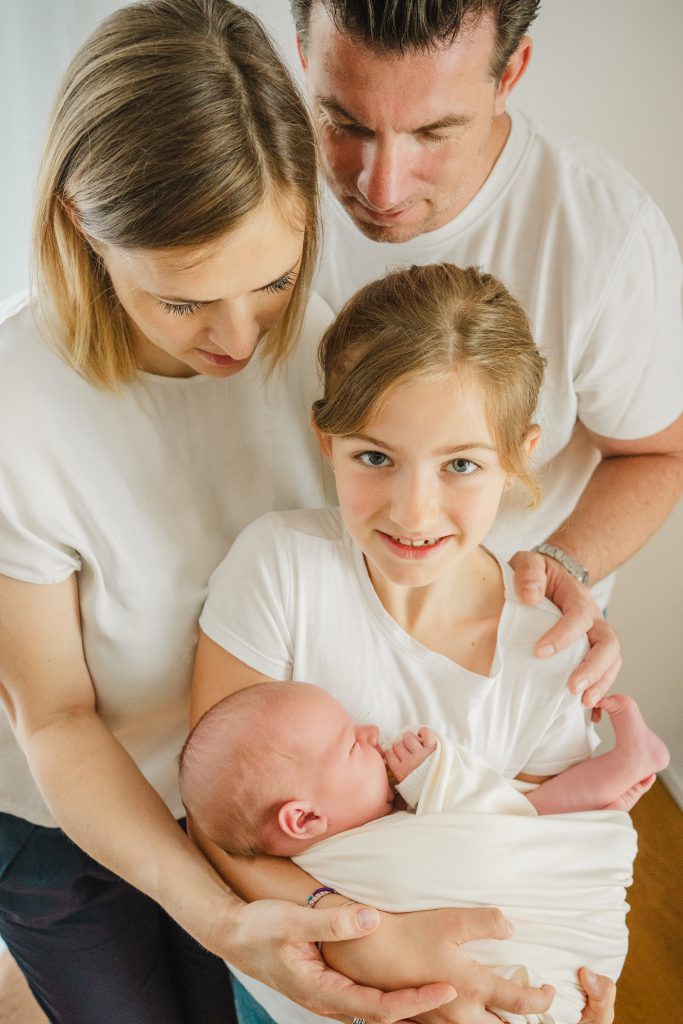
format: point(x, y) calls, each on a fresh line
point(567, 561)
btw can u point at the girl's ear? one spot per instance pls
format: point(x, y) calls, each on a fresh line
point(299, 819)
point(532, 439)
point(324, 440)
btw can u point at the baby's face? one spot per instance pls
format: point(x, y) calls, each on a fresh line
point(343, 762)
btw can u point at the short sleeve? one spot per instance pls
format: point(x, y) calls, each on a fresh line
point(28, 552)
point(628, 374)
point(246, 608)
point(569, 739)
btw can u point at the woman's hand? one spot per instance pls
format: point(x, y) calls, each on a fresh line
point(412, 948)
point(275, 941)
point(601, 993)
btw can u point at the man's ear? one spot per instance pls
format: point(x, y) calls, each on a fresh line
point(301, 52)
point(299, 819)
point(516, 66)
point(324, 440)
point(532, 439)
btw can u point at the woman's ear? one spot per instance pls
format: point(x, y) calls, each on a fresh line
point(299, 819)
point(324, 440)
point(532, 439)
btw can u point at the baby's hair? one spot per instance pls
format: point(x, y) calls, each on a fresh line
point(232, 780)
point(422, 323)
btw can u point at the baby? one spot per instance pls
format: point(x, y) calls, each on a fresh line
point(276, 767)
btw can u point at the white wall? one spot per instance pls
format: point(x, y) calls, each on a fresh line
point(599, 71)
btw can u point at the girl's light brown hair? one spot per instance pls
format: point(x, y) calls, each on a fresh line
point(425, 322)
point(173, 122)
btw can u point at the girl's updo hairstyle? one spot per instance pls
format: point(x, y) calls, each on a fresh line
point(423, 323)
point(174, 121)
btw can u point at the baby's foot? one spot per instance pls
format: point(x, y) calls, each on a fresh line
point(631, 797)
point(408, 753)
point(645, 751)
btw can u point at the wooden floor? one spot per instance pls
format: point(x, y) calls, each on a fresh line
point(650, 990)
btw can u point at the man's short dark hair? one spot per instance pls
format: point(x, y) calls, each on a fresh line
point(392, 26)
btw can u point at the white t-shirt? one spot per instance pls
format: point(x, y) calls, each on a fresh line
point(141, 493)
point(293, 600)
point(595, 265)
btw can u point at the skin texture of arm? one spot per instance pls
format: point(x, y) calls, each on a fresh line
point(631, 492)
point(218, 673)
point(102, 801)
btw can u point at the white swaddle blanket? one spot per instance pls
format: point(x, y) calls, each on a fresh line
point(475, 841)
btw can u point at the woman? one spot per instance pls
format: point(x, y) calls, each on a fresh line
point(175, 230)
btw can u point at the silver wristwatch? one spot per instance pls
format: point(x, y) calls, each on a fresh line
point(578, 571)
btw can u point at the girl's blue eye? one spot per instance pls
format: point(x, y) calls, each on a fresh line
point(373, 458)
point(179, 309)
point(462, 467)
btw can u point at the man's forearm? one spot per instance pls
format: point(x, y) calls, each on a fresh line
point(624, 503)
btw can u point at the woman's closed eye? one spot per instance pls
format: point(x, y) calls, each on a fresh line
point(179, 308)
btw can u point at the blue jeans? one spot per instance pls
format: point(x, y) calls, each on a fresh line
point(248, 1010)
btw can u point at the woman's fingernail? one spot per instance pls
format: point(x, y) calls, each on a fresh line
point(367, 918)
point(581, 685)
point(546, 650)
point(509, 927)
point(591, 979)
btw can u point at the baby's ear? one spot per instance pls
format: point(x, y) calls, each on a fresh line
point(299, 819)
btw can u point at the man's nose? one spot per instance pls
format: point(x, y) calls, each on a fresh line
point(385, 174)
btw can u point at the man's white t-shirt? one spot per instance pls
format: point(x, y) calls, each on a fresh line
point(141, 493)
point(293, 600)
point(595, 266)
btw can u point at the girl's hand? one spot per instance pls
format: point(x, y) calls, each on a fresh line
point(275, 942)
point(538, 576)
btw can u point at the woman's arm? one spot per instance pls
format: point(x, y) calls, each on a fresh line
point(420, 947)
point(103, 802)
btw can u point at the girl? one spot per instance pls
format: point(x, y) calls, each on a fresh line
point(431, 379)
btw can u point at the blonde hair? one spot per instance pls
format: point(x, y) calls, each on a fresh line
point(173, 122)
point(424, 322)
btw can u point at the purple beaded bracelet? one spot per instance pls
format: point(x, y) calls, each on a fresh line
point(318, 894)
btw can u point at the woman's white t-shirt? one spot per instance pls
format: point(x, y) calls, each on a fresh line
point(141, 493)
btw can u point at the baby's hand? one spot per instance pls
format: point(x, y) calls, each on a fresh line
point(408, 753)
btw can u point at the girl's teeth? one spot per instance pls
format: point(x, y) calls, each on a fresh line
point(416, 543)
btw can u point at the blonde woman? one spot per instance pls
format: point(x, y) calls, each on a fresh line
point(175, 234)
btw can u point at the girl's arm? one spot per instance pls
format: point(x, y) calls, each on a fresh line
point(417, 947)
point(103, 802)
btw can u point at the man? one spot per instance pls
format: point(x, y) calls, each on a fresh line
point(426, 165)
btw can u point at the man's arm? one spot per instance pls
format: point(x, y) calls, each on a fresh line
point(631, 492)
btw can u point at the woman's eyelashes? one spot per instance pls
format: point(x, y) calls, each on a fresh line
point(459, 467)
point(373, 459)
point(282, 284)
point(462, 467)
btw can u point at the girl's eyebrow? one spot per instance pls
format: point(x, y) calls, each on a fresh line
point(207, 302)
point(445, 450)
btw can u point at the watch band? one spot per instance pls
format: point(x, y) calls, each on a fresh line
point(578, 571)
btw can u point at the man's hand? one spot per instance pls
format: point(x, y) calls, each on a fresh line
point(411, 948)
point(601, 993)
point(538, 575)
point(275, 942)
point(409, 752)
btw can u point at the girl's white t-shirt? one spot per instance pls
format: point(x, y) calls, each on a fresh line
point(293, 600)
point(141, 493)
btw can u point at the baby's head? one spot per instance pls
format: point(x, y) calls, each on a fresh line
point(276, 767)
